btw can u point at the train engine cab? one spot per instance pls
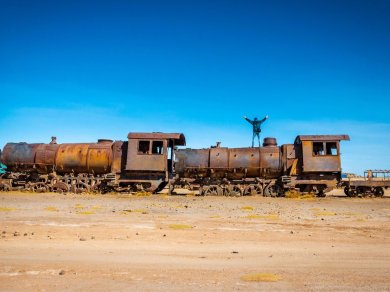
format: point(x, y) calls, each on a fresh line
point(316, 164)
point(149, 159)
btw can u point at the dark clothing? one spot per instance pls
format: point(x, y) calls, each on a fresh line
point(256, 124)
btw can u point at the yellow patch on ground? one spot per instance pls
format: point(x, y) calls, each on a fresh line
point(315, 209)
point(180, 226)
point(6, 209)
point(215, 216)
point(307, 197)
point(51, 209)
point(90, 212)
point(79, 206)
point(142, 194)
point(351, 214)
point(293, 194)
point(268, 216)
point(324, 213)
point(247, 208)
point(134, 211)
point(262, 277)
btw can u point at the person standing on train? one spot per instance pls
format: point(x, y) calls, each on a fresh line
point(256, 124)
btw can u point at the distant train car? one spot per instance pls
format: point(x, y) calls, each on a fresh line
point(373, 183)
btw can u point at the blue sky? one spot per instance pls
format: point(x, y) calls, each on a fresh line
point(83, 70)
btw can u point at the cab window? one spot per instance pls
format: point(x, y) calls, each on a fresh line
point(143, 147)
point(318, 148)
point(331, 148)
point(157, 147)
point(324, 148)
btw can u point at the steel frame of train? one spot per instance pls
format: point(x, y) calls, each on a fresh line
point(151, 161)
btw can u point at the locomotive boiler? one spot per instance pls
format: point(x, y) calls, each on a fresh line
point(63, 158)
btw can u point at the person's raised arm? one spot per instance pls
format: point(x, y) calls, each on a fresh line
point(263, 120)
point(249, 121)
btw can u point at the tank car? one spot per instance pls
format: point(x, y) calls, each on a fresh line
point(311, 164)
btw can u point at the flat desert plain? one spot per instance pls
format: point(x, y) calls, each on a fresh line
point(120, 242)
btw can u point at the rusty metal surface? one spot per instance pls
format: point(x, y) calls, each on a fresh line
point(72, 158)
point(219, 158)
point(119, 156)
point(270, 141)
point(372, 178)
point(288, 156)
point(192, 159)
point(370, 183)
point(178, 138)
point(126, 165)
point(99, 158)
point(84, 158)
point(19, 156)
point(236, 163)
point(139, 161)
point(322, 138)
point(45, 157)
point(245, 161)
point(270, 163)
point(319, 163)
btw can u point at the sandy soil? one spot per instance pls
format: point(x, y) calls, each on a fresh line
point(187, 243)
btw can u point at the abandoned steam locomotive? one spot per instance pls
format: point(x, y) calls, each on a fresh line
point(151, 161)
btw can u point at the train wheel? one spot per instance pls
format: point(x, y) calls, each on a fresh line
point(253, 190)
point(5, 187)
point(320, 191)
point(39, 187)
point(271, 190)
point(233, 191)
point(80, 187)
point(360, 191)
point(60, 187)
point(212, 190)
point(188, 186)
point(379, 192)
point(95, 187)
point(346, 191)
point(352, 192)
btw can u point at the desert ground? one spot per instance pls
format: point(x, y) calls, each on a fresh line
point(122, 242)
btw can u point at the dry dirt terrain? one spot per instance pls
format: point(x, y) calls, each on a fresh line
point(188, 243)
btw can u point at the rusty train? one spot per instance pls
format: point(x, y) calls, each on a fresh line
point(153, 161)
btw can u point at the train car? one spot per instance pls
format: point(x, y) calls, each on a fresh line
point(373, 183)
point(143, 162)
point(150, 161)
point(311, 164)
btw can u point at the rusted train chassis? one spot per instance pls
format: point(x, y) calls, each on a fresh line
point(87, 183)
point(256, 187)
point(82, 183)
point(366, 188)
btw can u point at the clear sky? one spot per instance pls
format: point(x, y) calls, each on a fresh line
point(83, 70)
